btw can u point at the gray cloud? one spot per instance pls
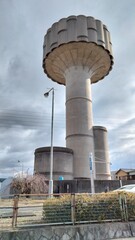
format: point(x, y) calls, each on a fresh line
point(25, 113)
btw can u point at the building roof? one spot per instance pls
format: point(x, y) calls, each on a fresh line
point(2, 179)
point(125, 170)
point(132, 172)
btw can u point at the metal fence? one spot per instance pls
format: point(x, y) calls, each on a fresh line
point(32, 210)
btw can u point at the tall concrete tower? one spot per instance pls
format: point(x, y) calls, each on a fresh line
point(77, 52)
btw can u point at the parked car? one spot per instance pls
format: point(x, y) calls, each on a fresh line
point(127, 188)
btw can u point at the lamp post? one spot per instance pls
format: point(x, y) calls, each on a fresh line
point(21, 164)
point(51, 152)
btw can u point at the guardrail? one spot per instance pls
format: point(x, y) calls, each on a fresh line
point(32, 210)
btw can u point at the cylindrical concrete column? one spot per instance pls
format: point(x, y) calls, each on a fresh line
point(79, 132)
point(102, 161)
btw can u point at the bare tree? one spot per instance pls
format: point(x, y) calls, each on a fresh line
point(34, 184)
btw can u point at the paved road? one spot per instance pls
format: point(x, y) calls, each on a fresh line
point(23, 211)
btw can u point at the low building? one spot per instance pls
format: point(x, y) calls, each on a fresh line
point(132, 175)
point(125, 174)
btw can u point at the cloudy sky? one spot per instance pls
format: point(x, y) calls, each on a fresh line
point(25, 113)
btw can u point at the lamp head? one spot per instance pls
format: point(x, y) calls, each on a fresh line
point(46, 94)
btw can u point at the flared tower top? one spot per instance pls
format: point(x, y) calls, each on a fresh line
point(77, 41)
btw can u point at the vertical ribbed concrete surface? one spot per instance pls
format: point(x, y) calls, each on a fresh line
point(77, 51)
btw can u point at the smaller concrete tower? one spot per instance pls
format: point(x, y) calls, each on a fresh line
point(102, 161)
point(63, 162)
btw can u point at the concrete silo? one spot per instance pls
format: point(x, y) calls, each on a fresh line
point(63, 162)
point(102, 161)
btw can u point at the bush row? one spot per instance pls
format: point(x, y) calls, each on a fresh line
point(86, 207)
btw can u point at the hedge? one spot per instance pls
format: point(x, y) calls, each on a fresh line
point(91, 208)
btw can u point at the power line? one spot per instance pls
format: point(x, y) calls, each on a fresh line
point(39, 119)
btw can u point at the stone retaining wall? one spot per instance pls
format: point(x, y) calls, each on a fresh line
point(103, 231)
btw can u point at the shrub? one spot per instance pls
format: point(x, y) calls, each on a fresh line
point(130, 197)
point(57, 210)
point(97, 207)
point(92, 208)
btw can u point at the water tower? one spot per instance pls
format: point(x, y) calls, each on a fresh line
point(77, 52)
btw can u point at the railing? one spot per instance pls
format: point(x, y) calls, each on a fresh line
point(31, 210)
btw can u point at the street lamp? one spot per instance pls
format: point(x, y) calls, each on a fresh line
point(51, 152)
point(21, 164)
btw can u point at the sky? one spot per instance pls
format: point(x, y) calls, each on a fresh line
point(25, 115)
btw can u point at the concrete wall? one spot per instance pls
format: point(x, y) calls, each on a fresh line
point(83, 186)
point(103, 231)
